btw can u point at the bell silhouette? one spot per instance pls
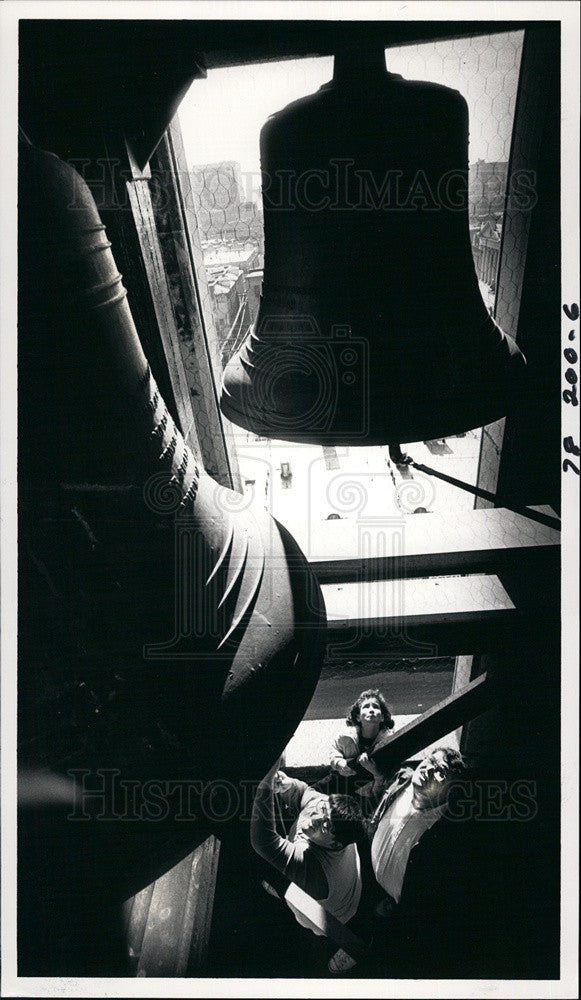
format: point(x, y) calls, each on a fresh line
point(371, 327)
point(188, 629)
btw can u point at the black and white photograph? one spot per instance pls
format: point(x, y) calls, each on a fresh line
point(290, 497)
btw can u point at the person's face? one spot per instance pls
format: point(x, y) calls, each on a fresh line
point(316, 825)
point(431, 780)
point(370, 711)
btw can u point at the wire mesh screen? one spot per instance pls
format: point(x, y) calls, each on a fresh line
point(232, 239)
point(485, 69)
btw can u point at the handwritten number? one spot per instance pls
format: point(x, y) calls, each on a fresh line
point(570, 396)
point(568, 464)
point(572, 311)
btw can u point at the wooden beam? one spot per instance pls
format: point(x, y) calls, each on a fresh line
point(538, 65)
point(438, 616)
point(139, 194)
point(473, 541)
point(325, 923)
point(201, 903)
point(386, 605)
point(135, 912)
point(197, 342)
point(454, 711)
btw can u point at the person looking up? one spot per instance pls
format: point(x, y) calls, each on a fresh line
point(320, 853)
point(368, 723)
point(412, 804)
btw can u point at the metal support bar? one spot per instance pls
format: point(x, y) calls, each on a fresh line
point(530, 512)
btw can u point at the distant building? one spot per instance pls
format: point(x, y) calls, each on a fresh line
point(485, 238)
point(221, 212)
point(227, 267)
point(241, 222)
point(249, 225)
point(216, 255)
point(486, 198)
point(226, 286)
point(486, 189)
point(232, 240)
point(253, 289)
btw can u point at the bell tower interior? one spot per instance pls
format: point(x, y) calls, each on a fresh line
point(441, 576)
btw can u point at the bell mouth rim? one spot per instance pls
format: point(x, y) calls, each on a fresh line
point(363, 438)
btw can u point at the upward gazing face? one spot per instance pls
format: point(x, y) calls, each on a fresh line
point(431, 781)
point(370, 712)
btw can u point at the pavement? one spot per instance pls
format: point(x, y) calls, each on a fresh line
point(407, 691)
point(352, 482)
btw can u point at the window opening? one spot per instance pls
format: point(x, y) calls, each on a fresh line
point(220, 120)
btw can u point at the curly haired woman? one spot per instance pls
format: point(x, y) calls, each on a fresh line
point(368, 723)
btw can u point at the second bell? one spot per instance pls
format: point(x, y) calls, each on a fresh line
point(371, 327)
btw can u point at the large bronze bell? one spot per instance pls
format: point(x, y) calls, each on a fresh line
point(166, 632)
point(371, 327)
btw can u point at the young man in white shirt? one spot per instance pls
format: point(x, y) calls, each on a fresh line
point(414, 801)
point(320, 853)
